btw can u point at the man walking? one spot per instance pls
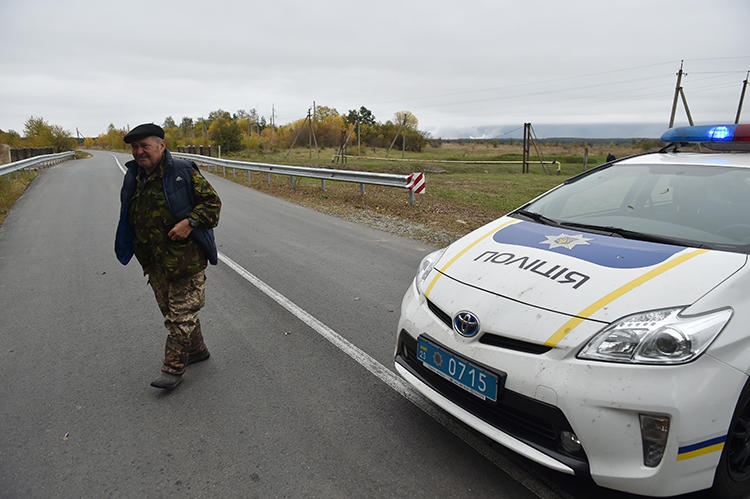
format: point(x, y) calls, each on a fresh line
point(167, 214)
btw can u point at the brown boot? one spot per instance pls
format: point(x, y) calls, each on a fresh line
point(197, 351)
point(175, 357)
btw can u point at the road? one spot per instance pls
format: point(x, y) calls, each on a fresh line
point(298, 398)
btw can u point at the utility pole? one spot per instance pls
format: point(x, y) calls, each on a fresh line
point(403, 139)
point(678, 91)
point(742, 98)
point(273, 115)
point(358, 141)
point(403, 124)
point(526, 140)
point(311, 136)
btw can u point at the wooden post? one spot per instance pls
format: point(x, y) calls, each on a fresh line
point(585, 157)
point(403, 139)
point(742, 98)
point(676, 93)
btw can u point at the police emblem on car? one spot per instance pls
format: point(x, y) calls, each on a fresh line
point(466, 324)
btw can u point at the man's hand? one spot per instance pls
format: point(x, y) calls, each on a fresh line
point(180, 231)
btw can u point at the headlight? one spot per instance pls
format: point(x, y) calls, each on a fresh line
point(425, 267)
point(657, 337)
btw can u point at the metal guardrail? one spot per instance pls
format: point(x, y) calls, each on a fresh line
point(44, 160)
point(361, 178)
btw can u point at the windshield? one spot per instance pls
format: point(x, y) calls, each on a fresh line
point(699, 206)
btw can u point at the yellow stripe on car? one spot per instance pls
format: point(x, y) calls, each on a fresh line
point(462, 252)
point(700, 452)
point(606, 300)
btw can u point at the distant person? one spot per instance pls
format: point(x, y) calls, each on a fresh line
point(610, 157)
point(167, 215)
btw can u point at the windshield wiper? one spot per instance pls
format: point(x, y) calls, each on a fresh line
point(537, 217)
point(631, 234)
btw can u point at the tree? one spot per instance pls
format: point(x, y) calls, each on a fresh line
point(226, 133)
point(61, 139)
point(11, 137)
point(169, 123)
point(364, 116)
point(408, 118)
point(36, 127)
point(219, 113)
point(241, 114)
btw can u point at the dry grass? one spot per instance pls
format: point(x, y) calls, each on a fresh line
point(459, 196)
point(12, 186)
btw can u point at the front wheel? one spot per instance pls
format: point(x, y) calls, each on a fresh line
point(732, 479)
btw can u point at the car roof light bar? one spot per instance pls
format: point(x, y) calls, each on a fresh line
point(708, 133)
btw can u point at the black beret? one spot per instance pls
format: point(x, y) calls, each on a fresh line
point(142, 131)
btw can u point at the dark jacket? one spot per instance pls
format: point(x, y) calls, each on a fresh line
point(179, 197)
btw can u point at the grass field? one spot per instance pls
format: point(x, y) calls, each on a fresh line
point(11, 188)
point(459, 196)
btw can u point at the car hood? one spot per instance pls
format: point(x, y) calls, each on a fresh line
point(576, 273)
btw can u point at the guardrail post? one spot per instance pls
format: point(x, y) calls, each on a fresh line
point(411, 197)
point(269, 178)
point(291, 181)
point(224, 170)
point(323, 184)
point(249, 180)
point(362, 190)
point(234, 172)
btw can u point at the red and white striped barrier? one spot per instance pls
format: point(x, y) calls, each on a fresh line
point(415, 183)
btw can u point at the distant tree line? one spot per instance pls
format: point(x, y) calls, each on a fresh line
point(37, 132)
point(247, 130)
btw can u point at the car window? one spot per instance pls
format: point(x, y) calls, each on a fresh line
point(702, 205)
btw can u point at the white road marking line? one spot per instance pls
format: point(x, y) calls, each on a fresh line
point(122, 169)
point(533, 484)
point(398, 384)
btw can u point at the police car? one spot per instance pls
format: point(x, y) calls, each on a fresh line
point(603, 329)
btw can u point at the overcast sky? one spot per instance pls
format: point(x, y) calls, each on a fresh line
point(462, 67)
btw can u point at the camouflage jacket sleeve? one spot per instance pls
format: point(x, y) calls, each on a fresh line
point(207, 202)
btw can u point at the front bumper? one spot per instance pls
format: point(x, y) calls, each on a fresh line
point(546, 393)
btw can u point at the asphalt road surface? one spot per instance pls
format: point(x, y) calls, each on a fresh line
point(298, 398)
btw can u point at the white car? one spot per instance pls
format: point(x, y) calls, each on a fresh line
point(603, 329)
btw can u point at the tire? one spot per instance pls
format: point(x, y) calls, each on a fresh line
point(732, 479)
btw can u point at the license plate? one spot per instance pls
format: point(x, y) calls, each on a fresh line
point(457, 370)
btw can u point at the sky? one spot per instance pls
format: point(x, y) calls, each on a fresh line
point(464, 68)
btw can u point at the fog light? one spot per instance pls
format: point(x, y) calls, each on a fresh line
point(654, 433)
point(570, 442)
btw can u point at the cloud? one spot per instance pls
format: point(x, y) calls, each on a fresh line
point(87, 64)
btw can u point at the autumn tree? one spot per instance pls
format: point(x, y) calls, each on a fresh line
point(169, 123)
point(226, 133)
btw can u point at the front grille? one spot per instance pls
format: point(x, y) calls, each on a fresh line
point(494, 340)
point(533, 422)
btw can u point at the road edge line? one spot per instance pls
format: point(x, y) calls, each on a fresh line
point(516, 472)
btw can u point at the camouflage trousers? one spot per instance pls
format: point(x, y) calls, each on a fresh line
point(180, 300)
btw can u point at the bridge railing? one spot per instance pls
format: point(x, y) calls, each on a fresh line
point(44, 160)
point(413, 182)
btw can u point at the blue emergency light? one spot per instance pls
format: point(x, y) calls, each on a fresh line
point(708, 133)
